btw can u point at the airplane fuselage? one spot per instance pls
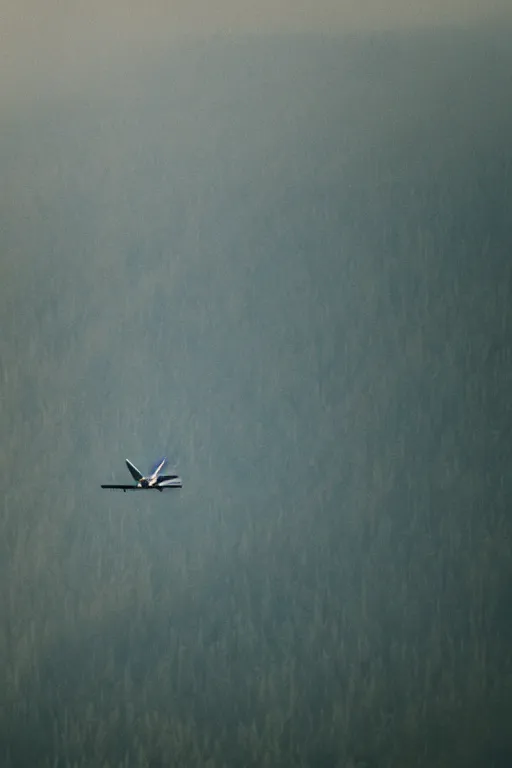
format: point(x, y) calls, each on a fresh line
point(153, 481)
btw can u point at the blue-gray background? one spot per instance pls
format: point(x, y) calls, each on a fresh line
point(284, 260)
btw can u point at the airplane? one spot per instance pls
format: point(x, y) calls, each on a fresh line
point(152, 482)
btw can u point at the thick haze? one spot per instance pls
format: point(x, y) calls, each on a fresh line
point(54, 44)
point(285, 260)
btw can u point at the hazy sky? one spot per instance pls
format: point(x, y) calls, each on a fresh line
point(59, 37)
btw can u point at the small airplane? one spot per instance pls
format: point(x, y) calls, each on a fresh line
point(154, 481)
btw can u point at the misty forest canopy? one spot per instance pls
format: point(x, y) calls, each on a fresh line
point(286, 263)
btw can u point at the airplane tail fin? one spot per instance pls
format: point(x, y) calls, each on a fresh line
point(157, 468)
point(134, 472)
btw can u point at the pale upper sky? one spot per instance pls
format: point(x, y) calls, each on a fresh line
point(65, 40)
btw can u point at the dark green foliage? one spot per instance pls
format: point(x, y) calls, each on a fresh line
point(289, 265)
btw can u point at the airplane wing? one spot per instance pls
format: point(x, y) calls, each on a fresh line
point(134, 472)
point(124, 487)
point(169, 482)
point(173, 483)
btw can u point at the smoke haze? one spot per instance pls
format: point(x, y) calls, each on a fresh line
point(285, 261)
point(50, 46)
